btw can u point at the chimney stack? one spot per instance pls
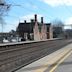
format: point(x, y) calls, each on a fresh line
point(24, 21)
point(35, 17)
point(42, 20)
point(32, 20)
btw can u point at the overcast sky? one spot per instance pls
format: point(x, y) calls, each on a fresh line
point(49, 9)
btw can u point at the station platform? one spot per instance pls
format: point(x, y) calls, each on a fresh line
point(50, 62)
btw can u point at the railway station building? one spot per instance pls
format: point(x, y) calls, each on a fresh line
point(35, 30)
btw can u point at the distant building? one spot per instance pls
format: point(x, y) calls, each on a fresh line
point(35, 30)
point(5, 34)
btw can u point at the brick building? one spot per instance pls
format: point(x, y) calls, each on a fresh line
point(35, 30)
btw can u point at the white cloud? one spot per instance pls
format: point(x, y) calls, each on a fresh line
point(68, 23)
point(55, 3)
point(29, 17)
point(31, 6)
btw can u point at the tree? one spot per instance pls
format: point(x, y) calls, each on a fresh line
point(4, 7)
point(12, 32)
point(57, 28)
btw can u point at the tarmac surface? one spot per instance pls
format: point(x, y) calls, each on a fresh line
point(58, 61)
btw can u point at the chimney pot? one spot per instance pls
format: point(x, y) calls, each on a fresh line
point(24, 21)
point(35, 17)
point(42, 20)
point(32, 20)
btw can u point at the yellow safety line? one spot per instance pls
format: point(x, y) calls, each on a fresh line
point(46, 65)
point(52, 70)
point(43, 69)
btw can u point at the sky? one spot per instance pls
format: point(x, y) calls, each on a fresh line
point(25, 9)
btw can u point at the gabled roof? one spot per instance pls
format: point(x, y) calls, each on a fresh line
point(28, 26)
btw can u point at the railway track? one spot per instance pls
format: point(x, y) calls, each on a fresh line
point(15, 56)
